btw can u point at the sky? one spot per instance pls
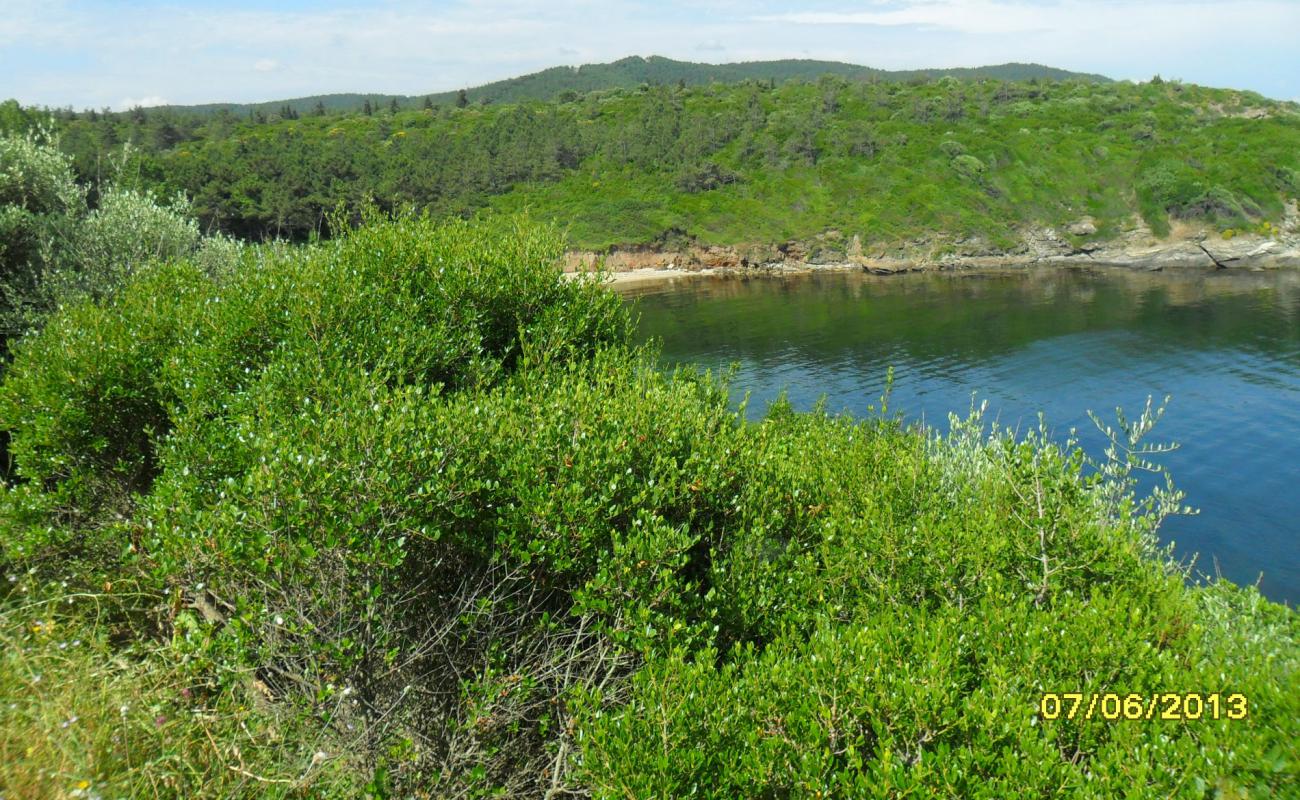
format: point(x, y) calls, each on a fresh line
point(96, 53)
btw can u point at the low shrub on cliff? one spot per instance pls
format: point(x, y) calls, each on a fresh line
point(418, 496)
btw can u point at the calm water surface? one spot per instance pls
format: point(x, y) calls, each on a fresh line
point(1225, 346)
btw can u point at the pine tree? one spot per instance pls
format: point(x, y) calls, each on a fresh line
point(428, 103)
point(320, 109)
point(366, 109)
point(462, 99)
point(393, 106)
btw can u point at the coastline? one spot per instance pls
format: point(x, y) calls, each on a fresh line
point(1138, 249)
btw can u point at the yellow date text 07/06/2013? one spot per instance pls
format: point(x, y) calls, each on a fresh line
point(1173, 706)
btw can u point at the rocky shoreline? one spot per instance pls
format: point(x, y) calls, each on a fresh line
point(1137, 248)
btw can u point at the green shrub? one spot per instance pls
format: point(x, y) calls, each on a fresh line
point(951, 148)
point(39, 204)
point(54, 252)
point(899, 700)
point(923, 641)
point(124, 232)
point(968, 166)
point(415, 490)
point(405, 303)
point(83, 400)
point(706, 177)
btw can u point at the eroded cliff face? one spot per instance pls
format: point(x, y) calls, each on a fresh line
point(1137, 247)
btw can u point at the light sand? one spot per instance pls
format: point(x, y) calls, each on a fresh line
point(642, 276)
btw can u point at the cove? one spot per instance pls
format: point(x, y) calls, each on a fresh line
point(1225, 346)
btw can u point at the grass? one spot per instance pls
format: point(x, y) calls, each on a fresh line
point(96, 708)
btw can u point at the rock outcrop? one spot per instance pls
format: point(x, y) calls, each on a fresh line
point(1135, 248)
point(1084, 227)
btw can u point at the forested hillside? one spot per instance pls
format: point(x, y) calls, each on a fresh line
point(736, 163)
point(632, 72)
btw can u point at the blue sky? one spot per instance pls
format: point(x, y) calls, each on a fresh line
point(98, 53)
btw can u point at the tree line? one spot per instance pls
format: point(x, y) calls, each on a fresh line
point(883, 160)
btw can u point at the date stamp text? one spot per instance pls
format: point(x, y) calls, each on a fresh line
point(1173, 706)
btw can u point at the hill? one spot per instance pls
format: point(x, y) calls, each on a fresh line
point(829, 165)
point(633, 71)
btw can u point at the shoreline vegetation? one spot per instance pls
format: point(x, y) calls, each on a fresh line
point(397, 509)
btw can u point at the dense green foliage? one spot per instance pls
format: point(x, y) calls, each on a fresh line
point(56, 248)
point(812, 162)
point(409, 500)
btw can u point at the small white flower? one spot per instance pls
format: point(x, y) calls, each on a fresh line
point(279, 620)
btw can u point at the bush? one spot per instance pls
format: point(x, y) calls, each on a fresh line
point(968, 167)
point(417, 492)
point(1217, 203)
point(53, 252)
point(83, 400)
point(39, 204)
point(126, 231)
point(705, 177)
point(408, 303)
point(952, 149)
point(911, 649)
point(902, 699)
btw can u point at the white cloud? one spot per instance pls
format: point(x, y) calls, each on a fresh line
point(142, 102)
point(1147, 20)
point(266, 65)
point(967, 16)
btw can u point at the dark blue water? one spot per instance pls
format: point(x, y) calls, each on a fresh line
point(1226, 347)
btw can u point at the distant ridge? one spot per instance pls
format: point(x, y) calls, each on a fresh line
point(634, 70)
